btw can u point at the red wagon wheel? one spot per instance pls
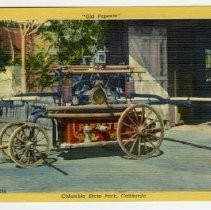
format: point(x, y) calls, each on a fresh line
point(140, 131)
point(5, 135)
point(29, 145)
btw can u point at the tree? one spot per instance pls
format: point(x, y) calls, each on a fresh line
point(27, 28)
point(9, 26)
point(64, 42)
point(69, 39)
point(38, 68)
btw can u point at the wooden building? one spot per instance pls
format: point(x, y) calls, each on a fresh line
point(176, 55)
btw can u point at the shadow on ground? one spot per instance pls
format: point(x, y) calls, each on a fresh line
point(188, 143)
point(91, 152)
point(94, 152)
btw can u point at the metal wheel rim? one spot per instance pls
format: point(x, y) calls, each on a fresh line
point(143, 142)
point(3, 134)
point(26, 151)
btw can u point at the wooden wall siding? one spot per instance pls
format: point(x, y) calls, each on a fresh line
point(148, 51)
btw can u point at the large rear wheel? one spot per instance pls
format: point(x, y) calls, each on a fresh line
point(140, 131)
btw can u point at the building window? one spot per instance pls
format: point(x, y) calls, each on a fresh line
point(208, 65)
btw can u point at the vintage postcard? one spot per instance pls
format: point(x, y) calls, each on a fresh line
point(105, 104)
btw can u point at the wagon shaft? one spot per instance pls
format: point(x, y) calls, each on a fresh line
point(21, 98)
point(196, 99)
point(88, 108)
point(85, 111)
point(84, 115)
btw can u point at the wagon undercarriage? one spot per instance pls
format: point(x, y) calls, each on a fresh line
point(138, 129)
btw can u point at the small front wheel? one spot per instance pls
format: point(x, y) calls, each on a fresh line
point(29, 145)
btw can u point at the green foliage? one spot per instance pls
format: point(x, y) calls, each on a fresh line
point(8, 23)
point(70, 41)
point(74, 39)
point(38, 64)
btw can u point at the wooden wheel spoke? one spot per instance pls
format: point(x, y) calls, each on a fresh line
point(24, 134)
point(23, 156)
point(29, 156)
point(149, 140)
point(41, 153)
point(42, 145)
point(142, 144)
point(142, 115)
point(43, 138)
point(136, 115)
point(129, 132)
point(133, 145)
point(152, 135)
point(34, 137)
point(18, 145)
point(153, 130)
point(139, 146)
point(128, 125)
point(126, 141)
point(7, 134)
point(20, 139)
point(20, 151)
point(133, 136)
point(129, 117)
point(145, 146)
point(145, 120)
point(21, 134)
point(154, 147)
point(153, 121)
point(34, 156)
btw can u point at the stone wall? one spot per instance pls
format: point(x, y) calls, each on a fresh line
point(10, 81)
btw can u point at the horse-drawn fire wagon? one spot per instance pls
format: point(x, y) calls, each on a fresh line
point(93, 107)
